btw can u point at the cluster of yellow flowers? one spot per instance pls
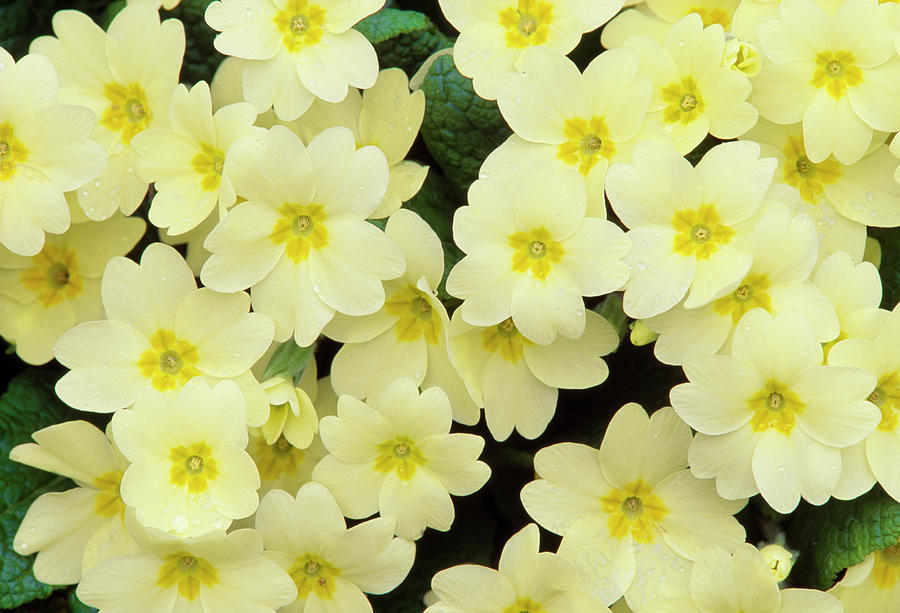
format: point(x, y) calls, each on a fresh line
point(214, 489)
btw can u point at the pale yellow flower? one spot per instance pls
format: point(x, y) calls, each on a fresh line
point(44, 151)
point(46, 294)
point(72, 531)
point(126, 76)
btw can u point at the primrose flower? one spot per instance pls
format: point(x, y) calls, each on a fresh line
point(770, 418)
point(841, 78)
point(300, 49)
point(686, 222)
point(693, 93)
point(330, 565)
point(72, 531)
point(126, 76)
point(495, 36)
point(880, 357)
point(386, 115)
point(302, 240)
point(189, 472)
point(292, 413)
point(46, 294)
point(784, 249)
point(210, 573)
point(396, 456)
point(742, 582)
point(585, 121)
point(161, 332)
point(531, 254)
point(841, 199)
point(632, 516)
point(188, 161)
point(44, 151)
point(516, 380)
point(283, 465)
point(873, 584)
point(855, 291)
point(408, 336)
point(655, 18)
point(526, 581)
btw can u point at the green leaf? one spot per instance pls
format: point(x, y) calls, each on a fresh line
point(435, 205)
point(29, 404)
point(402, 39)
point(889, 239)
point(76, 606)
point(612, 311)
point(289, 361)
point(840, 534)
point(460, 129)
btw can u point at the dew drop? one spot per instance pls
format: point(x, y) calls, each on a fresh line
point(419, 374)
point(579, 313)
point(84, 192)
point(317, 288)
point(642, 266)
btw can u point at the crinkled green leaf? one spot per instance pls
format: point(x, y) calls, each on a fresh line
point(840, 534)
point(29, 404)
point(402, 39)
point(460, 129)
point(612, 310)
point(889, 239)
point(435, 204)
point(289, 361)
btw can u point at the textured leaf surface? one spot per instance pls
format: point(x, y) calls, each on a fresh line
point(460, 129)
point(840, 534)
point(402, 39)
point(29, 404)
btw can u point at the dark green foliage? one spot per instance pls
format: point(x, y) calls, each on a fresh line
point(889, 239)
point(460, 129)
point(29, 404)
point(840, 534)
point(289, 361)
point(402, 39)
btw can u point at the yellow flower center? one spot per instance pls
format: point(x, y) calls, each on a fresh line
point(108, 502)
point(188, 572)
point(193, 466)
point(300, 24)
point(209, 164)
point(54, 276)
point(774, 407)
point(527, 23)
point(535, 252)
point(633, 510)
point(711, 16)
point(699, 233)
point(751, 293)
point(415, 316)
point(313, 574)
point(170, 362)
point(804, 175)
point(684, 103)
point(836, 72)
point(399, 454)
point(280, 458)
point(12, 152)
point(586, 140)
point(524, 605)
point(505, 338)
point(301, 227)
point(886, 396)
point(886, 569)
point(128, 111)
